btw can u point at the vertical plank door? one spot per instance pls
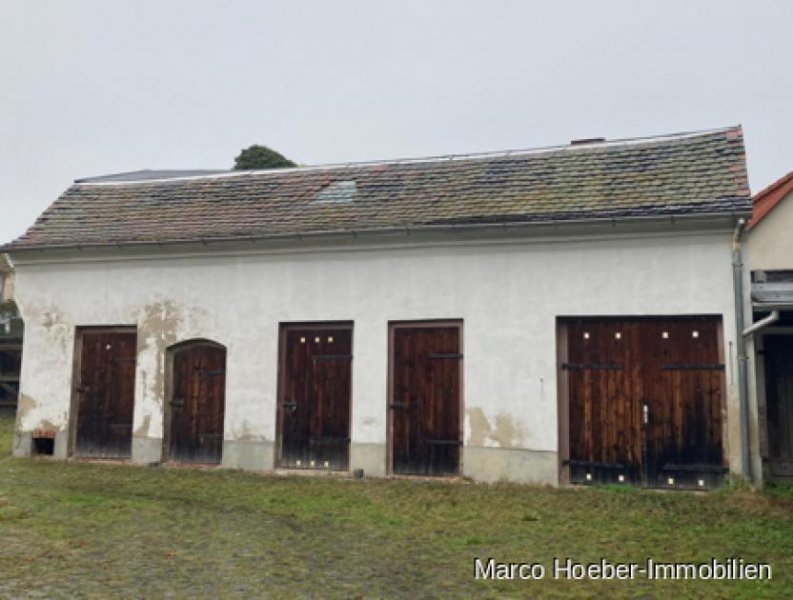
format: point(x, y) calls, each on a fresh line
point(684, 403)
point(645, 399)
point(315, 391)
point(105, 393)
point(426, 432)
point(778, 352)
point(197, 403)
point(605, 433)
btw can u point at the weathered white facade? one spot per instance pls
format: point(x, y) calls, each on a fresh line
point(507, 287)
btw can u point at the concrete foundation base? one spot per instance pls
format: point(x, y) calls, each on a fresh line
point(23, 443)
point(369, 457)
point(61, 449)
point(146, 450)
point(513, 465)
point(480, 464)
point(249, 456)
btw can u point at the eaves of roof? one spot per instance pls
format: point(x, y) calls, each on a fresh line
point(769, 198)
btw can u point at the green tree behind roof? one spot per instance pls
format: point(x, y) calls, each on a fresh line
point(261, 157)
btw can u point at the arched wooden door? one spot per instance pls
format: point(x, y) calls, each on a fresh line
point(196, 405)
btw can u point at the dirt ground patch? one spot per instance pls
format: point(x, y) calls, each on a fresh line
point(97, 531)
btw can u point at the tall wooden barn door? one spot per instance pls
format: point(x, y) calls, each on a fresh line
point(778, 354)
point(683, 397)
point(425, 399)
point(196, 404)
point(105, 392)
point(605, 392)
point(314, 396)
point(645, 401)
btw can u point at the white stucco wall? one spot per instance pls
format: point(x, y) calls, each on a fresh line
point(508, 294)
point(769, 245)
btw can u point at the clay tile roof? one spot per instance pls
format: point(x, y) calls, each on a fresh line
point(766, 200)
point(680, 174)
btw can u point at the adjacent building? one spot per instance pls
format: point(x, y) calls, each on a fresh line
point(11, 332)
point(769, 258)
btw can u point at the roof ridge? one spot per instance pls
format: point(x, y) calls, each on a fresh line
point(95, 181)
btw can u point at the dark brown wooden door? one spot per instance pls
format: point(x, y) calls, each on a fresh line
point(316, 375)
point(426, 433)
point(683, 396)
point(197, 403)
point(645, 398)
point(604, 402)
point(778, 353)
point(105, 393)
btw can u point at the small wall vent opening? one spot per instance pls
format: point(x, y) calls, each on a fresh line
point(43, 444)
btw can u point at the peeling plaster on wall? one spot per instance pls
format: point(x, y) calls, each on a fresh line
point(54, 323)
point(159, 323)
point(503, 433)
point(143, 430)
point(245, 434)
point(47, 425)
point(478, 425)
point(25, 406)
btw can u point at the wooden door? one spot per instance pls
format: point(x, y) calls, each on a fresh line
point(314, 403)
point(196, 406)
point(645, 401)
point(105, 392)
point(425, 403)
point(778, 354)
point(682, 402)
point(604, 384)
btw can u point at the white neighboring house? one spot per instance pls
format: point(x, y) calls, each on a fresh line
point(769, 258)
point(555, 315)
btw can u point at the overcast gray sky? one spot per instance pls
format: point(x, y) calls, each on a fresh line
point(95, 87)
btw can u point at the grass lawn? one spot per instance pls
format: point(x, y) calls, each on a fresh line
point(100, 530)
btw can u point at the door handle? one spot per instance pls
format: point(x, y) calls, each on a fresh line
point(645, 414)
point(177, 402)
point(290, 405)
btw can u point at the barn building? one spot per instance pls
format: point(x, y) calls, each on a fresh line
point(553, 315)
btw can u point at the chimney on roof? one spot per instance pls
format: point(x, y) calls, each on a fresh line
point(582, 141)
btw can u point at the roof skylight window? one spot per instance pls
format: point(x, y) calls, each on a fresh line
point(337, 192)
